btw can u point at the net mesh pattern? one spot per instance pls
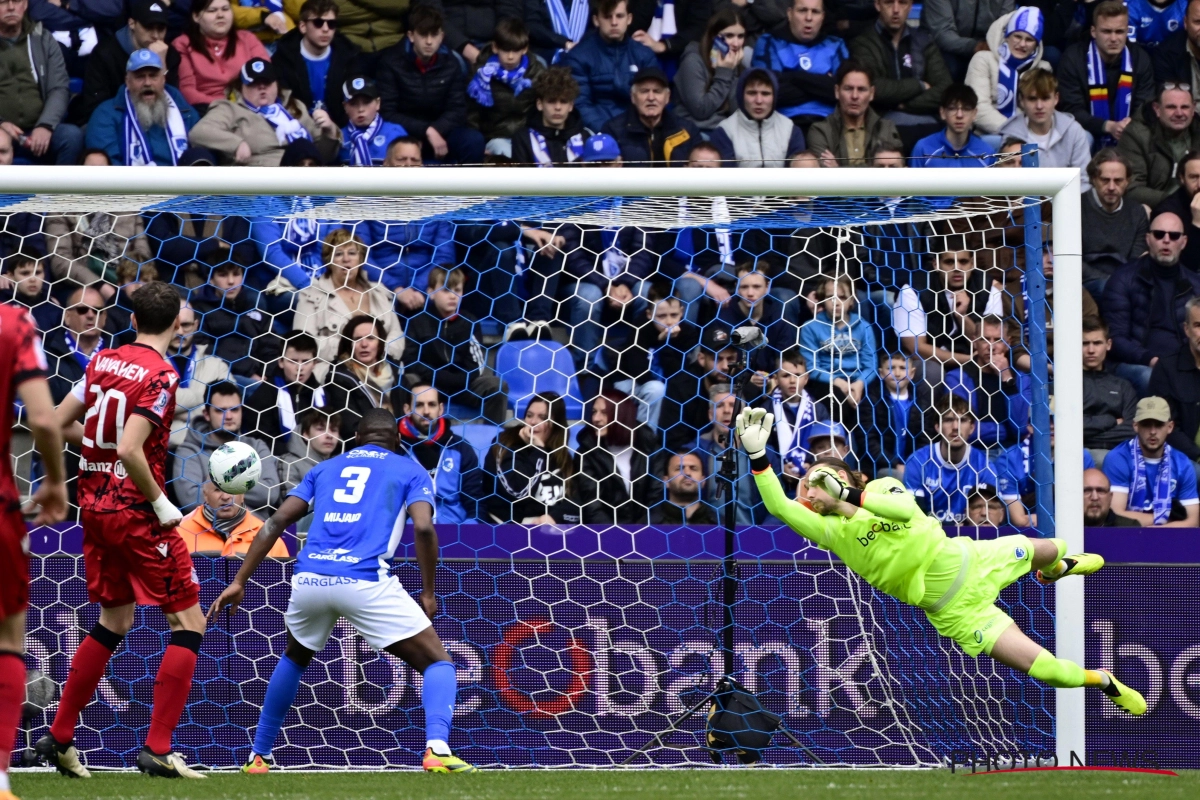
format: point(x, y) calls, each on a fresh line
point(583, 607)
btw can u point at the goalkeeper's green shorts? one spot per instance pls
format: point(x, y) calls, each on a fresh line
point(969, 615)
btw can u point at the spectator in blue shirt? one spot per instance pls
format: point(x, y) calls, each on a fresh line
point(366, 137)
point(160, 117)
point(1153, 482)
point(944, 474)
point(1152, 21)
point(604, 63)
point(955, 145)
point(804, 60)
point(893, 414)
point(840, 346)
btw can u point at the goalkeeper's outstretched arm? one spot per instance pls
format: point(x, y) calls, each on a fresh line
point(754, 430)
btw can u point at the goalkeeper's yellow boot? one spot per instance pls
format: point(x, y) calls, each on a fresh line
point(445, 764)
point(1081, 564)
point(258, 765)
point(1124, 697)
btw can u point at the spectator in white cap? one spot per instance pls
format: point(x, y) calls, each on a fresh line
point(367, 136)
point(602, 150)
point(257, 124)
point(147, 122)
point(1014, 47)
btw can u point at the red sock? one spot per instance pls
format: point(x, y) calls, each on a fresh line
point(171, 689)
point(87, 668)
point(12, 697)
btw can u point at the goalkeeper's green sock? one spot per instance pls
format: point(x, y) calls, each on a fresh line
point(1063, 674)
point(1056, 569)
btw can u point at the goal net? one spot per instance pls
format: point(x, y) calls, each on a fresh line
point(579, 330)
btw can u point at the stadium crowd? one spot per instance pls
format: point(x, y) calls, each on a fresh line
point(903, 349)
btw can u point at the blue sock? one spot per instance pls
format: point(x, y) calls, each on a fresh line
point(437, 698)
point(281, 693)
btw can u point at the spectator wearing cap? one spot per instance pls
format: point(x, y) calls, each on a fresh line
point(1156, 143)
point(757, 135)
point(34, 91)
point(366, 136)
point(1014, 47)
point(1105, 81)
point(649, 134)
point(955, 145)
point(602, 150)
point(605, 62)
point(1176, 378)
point(829, 440)
point(147, 122)
point(314, 60)
point(910, 74)
point(106, 66)
point(423, 88)
point(257, 124)
point(1153, 482)
point(500, 95)
point(211, 53)
point(1145, 302)
point(854, 131)
point(554, 131)
point(804, 59)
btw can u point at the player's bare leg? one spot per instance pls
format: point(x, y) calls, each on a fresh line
point(1018, 651)
point(87, 669)
point(1051, 562)
point(426, 654)
point(12, 691)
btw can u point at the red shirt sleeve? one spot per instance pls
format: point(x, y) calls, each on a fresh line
point(30, 361)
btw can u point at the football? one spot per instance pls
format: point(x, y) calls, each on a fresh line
point(235, 467)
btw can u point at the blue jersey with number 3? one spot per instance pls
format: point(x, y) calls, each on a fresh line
point(359, 501)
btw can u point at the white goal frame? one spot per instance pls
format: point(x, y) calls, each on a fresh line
point(1061, 185)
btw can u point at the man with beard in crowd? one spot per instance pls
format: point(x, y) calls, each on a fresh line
point(685, 479)
point(453, 466)
point(163, 117)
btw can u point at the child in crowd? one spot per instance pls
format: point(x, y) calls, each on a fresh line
point(233, 319)
point(840, 346)
point(796, 411)
point(500, 96)
point(444, 353)
point(555, 133)
point(24, 284)
point(892, 415)
point(367, 135)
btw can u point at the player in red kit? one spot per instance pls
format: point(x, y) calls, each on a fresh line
point(22, 377)
point(131, 551)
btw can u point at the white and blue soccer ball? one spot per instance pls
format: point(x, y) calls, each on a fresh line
point(235, 467)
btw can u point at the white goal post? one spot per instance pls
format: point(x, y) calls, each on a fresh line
point(1062, 185)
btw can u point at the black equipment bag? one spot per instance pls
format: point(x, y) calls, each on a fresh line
point(738, 722)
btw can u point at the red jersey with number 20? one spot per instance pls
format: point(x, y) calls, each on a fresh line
point(132, 379)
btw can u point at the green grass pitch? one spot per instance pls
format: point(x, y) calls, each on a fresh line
point(626, 785)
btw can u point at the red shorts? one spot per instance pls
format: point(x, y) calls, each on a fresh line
point(14, 564)
point(130, 559)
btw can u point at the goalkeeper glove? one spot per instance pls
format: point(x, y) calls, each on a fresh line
point(754, 429)
point(826, 479)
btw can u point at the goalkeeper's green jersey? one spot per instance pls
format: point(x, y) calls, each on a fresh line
point(890, 543)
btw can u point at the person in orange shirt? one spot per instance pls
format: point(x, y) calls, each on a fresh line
point(221, 524)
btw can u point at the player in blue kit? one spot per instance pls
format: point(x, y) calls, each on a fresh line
point(360, 501)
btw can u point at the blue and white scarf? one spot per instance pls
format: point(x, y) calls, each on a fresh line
point(1161, 504)
point(793, 439)
point(663, 24)
point(1029, 20)
point(571, 25)
point(480, 87)
point(360, 143)
point(541, 151)
point(137, 149)
point(287, 129)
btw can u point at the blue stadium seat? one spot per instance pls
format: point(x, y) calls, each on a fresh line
point(481, 437)
point(531, 367)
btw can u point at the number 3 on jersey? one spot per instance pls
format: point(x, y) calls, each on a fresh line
point(356, 484)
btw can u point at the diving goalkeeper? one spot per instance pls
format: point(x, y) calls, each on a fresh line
point(880, 533)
